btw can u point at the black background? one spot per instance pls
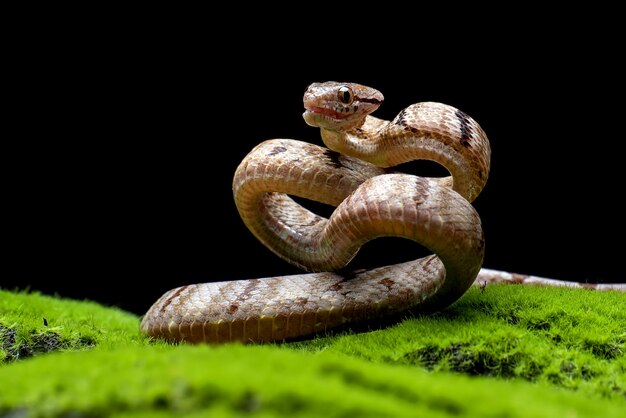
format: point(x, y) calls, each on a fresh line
point(122, 149)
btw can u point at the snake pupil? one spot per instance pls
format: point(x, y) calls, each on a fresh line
point(345, 95)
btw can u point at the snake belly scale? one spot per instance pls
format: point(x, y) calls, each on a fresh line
point(354, 174)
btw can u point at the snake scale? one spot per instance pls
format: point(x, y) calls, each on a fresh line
point(355, 174)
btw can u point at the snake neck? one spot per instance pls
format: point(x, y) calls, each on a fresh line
point(362, 142)
point(387, 144)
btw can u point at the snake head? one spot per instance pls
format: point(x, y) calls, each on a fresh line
point(339, 106)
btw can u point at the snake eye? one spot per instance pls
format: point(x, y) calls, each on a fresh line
point(345, 95)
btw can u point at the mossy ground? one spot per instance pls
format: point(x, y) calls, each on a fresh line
point(504, 351)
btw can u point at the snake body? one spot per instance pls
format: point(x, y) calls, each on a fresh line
point(371, 201)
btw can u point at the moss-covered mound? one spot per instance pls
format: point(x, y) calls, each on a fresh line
point(503, 351)
point(32, 324)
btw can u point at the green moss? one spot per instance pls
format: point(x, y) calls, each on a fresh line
point(32, 324)
point(266, 381)
point(573, 339)
point(506, 351)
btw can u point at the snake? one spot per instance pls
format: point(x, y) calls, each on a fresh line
point(355, 173)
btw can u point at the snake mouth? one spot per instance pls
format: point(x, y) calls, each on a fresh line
point(326, 112)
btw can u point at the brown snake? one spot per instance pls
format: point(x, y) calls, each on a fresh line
point(371, 201)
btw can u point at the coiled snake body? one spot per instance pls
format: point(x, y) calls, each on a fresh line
point(371, 201)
